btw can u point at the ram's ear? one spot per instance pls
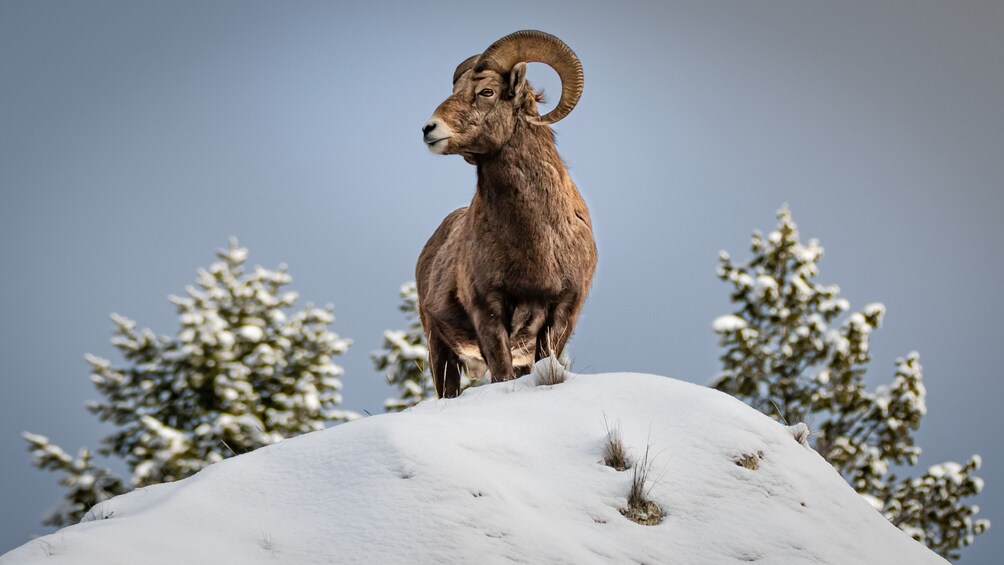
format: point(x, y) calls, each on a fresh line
point(517, 80)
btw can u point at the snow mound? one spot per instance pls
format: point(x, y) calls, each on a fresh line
point(509, 472)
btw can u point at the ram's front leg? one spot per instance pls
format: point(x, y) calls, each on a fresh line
point(493, 337)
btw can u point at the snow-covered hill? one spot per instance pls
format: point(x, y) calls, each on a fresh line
point(506, 473)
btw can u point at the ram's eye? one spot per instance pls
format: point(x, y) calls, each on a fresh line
point(487, 93)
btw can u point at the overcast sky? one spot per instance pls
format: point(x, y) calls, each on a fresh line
point(135, 137)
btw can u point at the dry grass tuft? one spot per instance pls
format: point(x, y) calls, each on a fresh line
point(614, 454)
point(266, 542)
point(551, 372)
point(750, 461)
point(639, 508)
point(647, 513)
point(801, 433)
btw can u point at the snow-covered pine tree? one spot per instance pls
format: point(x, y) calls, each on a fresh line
point(86, 484)
point(243, 371)
point(403, 359)
point(783, 357)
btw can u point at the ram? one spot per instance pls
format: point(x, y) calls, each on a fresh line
point(501, 282)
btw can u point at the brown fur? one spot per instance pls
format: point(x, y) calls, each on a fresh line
point(509, 273)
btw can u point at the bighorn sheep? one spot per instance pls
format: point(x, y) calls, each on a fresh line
point(501, 282)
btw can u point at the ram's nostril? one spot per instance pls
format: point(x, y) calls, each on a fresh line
point(428, 127)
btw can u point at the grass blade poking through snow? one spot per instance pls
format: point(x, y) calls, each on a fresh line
point(639, 508)
point(614, 454)
point(550, 371)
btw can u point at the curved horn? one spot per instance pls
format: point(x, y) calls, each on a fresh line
point(533, 46)
point(464, 67)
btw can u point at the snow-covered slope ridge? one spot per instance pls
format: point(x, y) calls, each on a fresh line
point(509, 472)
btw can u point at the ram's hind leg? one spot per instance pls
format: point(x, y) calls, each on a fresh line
point(556, 332)
point(445, 366)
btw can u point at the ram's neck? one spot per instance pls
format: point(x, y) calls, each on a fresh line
point(526, 176)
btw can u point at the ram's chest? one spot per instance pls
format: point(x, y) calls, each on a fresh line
point(538, 258)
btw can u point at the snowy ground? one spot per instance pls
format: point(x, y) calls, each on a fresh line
point(506, 473)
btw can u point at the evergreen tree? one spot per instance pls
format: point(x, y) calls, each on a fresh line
point(241, 373)
point(403, 359)
point(785, 356)
point(86, 484)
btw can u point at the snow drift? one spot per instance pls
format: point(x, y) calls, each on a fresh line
point(510, 472)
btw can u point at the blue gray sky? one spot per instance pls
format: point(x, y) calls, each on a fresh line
point(135, 137)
